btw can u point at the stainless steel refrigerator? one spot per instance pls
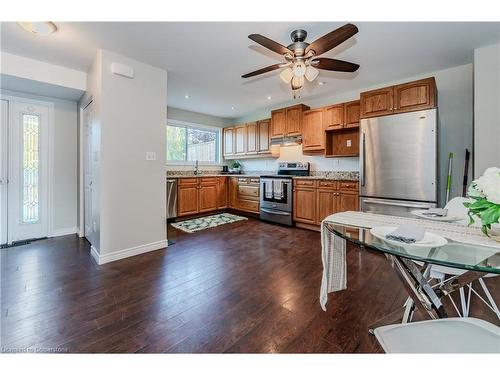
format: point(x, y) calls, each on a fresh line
point(398, 162)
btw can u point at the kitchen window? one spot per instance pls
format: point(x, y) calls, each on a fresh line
point(187, 143)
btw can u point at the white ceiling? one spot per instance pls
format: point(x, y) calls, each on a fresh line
point(206, 60)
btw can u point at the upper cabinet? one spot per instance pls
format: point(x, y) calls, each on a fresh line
point(407, 97)
point(287, 122)
point(228, 139)
point(250, 140)
point(313, 135)
point(334, 116)
point(351, 114)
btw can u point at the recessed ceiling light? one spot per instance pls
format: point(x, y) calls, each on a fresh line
point(321, 83)
point(232, 108)
point(269, 97)
point(39, 28)
point(186, 96)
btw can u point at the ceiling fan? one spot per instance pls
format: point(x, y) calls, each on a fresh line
point(302, 58)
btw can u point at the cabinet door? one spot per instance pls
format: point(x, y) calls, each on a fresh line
point(376, 103)
point(414, 96)
point(187, 200)
point(207, 198)
point(304, 205)
point(240, 139)
point(334, 116)
point(233, 192)
point(278, 120)
point(294, 121)
point(263, 136)
point(313, 133)
point(327, 203)
point(351, 114)
point(228, 141)
point(251, 138)
point(349, 201)
point(222, 194)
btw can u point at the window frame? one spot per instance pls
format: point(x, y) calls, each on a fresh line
point(218, 142)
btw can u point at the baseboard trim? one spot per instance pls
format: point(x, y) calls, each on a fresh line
point(63, 232)
point(126, 253)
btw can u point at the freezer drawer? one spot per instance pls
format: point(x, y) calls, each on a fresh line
point(392, 206)
point(276, 216)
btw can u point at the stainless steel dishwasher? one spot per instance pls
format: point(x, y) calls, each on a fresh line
point(171, 198)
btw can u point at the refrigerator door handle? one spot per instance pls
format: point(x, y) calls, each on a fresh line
point(399, 204)
point(362, 160)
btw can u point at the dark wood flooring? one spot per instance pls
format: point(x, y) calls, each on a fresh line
point(247, 287)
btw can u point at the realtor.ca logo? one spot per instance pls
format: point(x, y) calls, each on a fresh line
point(33, 350)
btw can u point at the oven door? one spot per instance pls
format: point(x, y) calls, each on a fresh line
point(283, 203)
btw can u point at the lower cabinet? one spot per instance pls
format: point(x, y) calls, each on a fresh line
point(201, 194)
point(244, 194)
point(314, 200)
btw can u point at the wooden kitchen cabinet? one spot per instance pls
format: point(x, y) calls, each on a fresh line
point(378, 102)
point(327, 201)
point(304, 201)
point(334, 117)
point(187, 196)
point(414, 96)
point(351, 114)
point(313, 134)
point(240, 139)
point(252, 140)
point(406, 97)
point(233, 192)
point(228, 136)
point(278, 122)
point(348, 201)
point(222, 192)
point(207, 194)
point(263, 128)
point(244, 194)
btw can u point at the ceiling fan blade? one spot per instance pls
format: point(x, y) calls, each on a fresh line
point(263, 70)
point(335, 65)
point(270, 44)
point(332, 39)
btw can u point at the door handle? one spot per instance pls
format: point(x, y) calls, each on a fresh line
point(398, 204)
point(362, 159)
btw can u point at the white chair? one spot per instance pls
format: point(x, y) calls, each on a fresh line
point(456, 208)
point(451, 335)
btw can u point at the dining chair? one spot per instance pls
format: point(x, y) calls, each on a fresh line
point(449, 335)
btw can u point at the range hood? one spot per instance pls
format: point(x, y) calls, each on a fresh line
point(287, 141)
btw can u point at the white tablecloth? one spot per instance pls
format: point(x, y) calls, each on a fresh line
point(333, 252)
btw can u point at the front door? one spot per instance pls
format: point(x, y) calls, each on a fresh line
point(28, 171)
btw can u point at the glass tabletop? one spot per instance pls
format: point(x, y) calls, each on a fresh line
point(453, 254)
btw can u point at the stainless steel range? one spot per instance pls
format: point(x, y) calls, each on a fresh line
point(276, 197)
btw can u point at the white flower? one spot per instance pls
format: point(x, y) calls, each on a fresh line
point(487, 186)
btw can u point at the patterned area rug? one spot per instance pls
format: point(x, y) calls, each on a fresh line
point(194, 225)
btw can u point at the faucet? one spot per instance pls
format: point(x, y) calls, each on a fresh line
point(196, 168)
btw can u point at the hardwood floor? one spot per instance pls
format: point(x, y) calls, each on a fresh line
point(246, 287)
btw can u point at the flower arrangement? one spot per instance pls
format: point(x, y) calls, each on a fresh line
point(485, 191)
point(235, 166)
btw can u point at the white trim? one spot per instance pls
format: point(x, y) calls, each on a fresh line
point(50, 151)
point(126, 253)
point(63, 232)
point(193, 125)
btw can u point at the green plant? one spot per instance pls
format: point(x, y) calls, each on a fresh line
point(485, 191)
point(235, 164)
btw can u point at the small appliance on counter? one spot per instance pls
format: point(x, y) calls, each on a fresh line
point(276, 192)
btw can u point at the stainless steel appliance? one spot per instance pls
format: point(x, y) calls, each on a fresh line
point(398, 162)
point(276, 197)
point(171, 198)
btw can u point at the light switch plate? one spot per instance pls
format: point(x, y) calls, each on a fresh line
point(349, 143)
point(150, 155)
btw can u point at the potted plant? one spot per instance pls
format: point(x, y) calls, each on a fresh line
point(235, 166)
point(485, 191)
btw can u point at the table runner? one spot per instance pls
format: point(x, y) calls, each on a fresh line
point(333, 252)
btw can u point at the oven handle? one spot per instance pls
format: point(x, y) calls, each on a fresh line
point(275, 212)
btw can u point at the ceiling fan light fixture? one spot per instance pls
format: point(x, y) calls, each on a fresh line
point(311, 73)
point(286, 75)
point(297, 82)
point(39, 28)
point(299, 69)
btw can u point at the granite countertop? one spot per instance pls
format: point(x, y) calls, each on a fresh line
point(333, 176)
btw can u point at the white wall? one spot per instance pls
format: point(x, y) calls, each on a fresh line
point(198, 118)
point(131, 114)
point(64, 187)
point(486, 108)
point(455, 100)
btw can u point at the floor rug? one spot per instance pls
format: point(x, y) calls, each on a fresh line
point(200, 223)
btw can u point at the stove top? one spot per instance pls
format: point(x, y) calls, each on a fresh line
point(290, 169)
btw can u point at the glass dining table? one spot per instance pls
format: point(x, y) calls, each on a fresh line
point(413, 265)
